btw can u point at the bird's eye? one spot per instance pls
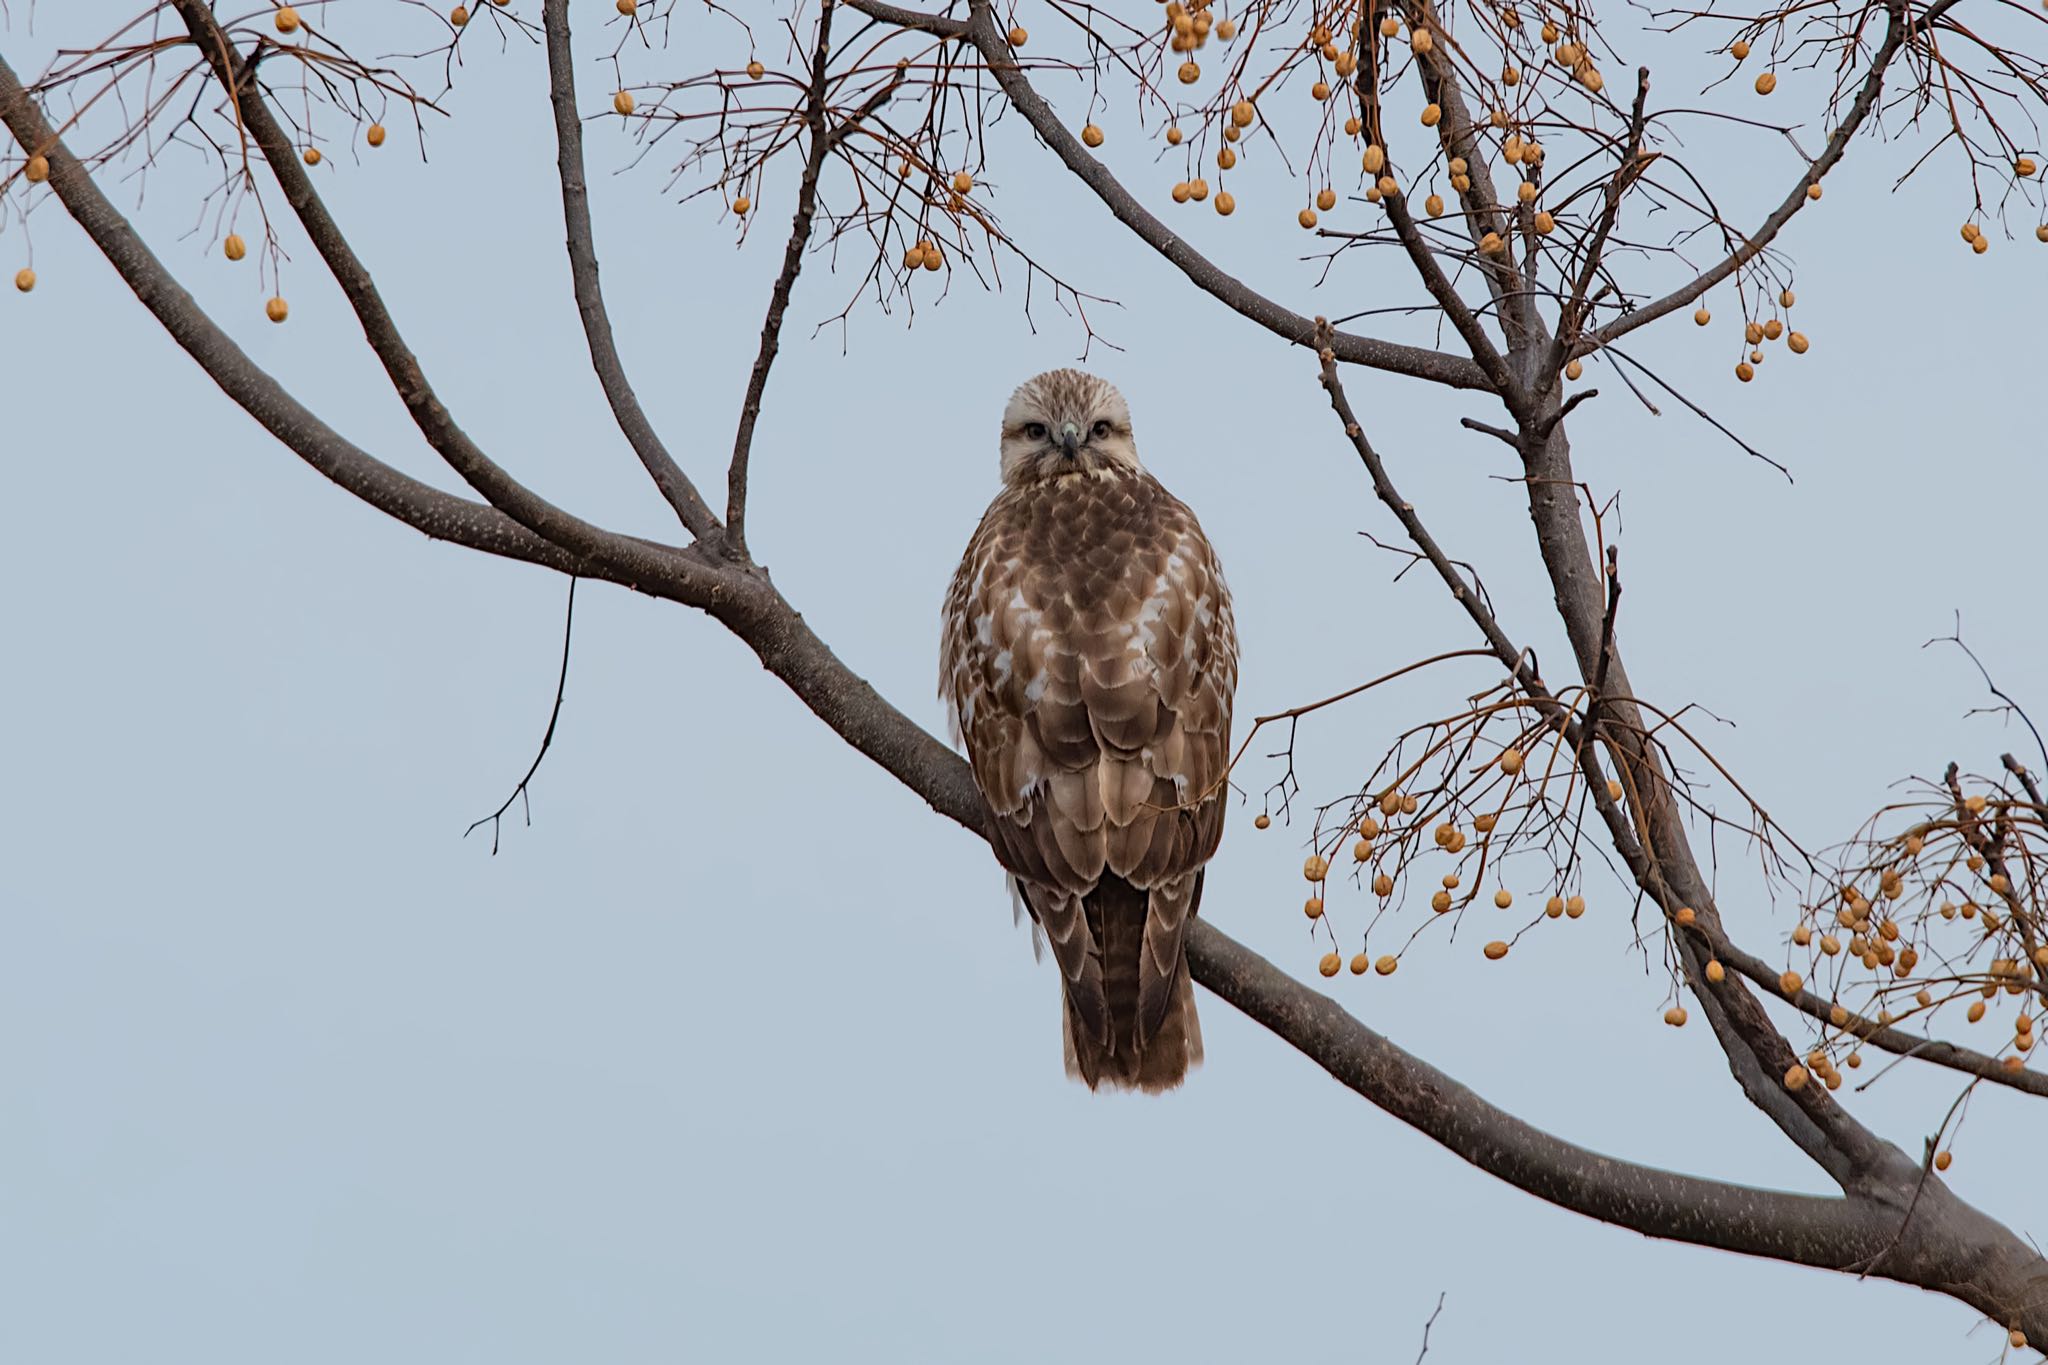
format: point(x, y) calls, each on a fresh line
point(1035, 430)
point(1099, 430)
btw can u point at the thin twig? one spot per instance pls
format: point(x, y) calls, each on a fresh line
point(519, 792)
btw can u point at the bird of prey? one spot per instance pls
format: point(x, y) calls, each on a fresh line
point(1088, 662)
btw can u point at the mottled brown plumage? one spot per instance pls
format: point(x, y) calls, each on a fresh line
point(1089, 659)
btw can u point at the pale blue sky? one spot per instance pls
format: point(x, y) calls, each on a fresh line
point(735, 1054)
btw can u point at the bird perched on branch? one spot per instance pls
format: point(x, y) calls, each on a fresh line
point(1088, 662)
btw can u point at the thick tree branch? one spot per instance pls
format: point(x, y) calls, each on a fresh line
point(426, 509)
point(675, 486)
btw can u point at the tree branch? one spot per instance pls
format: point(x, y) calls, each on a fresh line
point(435, 422)
point(675, 486)
point(822, 141)
point(1859, 109)
point(1415, 361)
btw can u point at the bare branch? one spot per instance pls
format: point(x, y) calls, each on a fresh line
point(822, 140)
point(668, 476)
point(1415, 361)
point(547, 739)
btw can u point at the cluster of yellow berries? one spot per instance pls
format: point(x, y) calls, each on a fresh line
point(1188, 28)
point(1755, 334)
point(1883, 945)
point(925, 252)
point(1367, 828)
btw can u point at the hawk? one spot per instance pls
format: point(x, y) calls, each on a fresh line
point(1087, 662)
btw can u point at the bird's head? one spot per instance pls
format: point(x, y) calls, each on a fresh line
point(1066, 422)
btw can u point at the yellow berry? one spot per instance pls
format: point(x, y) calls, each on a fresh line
point(1226, 203)
point(1181, 192)
point(1226, 30)
point(1509, 75)
point(1495, 951)
point(1326, 199)
point(2024, 167)
point(1802, 936)
point(459, 15)
point(1490, 244)
point(2017, 1338)
point(1575, 907)
point(962, 182)
point(234, 248)
point(1374, 159)
point(287, 20)
point(1385, 966)
point(1549, 33)
point(1976, 1010)
point(623, 101)
point(626, 7)
point(1388, 186)
point(1226, 157)
point(37, 170)
point(1360, 965)
point(1351, 126)
point(1313, 907)
point(1408, 805)
point(1091, 135)
point(1554, 906)
point(1838, 1016)
point(1261, 821)
point(1545, 224)
point(1795, 1077)
point(1019, 36)
point(24, 279)
point(276, 310)
point(1813, 190)
point(1527, 192)
point(1773, 330)
point(374, 135)
point(1198, 189)
point(2041, 233)
point(755, 71)
point(1390, 27)
point(741, 204)
point(1788, 298)
point(1242, 113)
point(1790, 983)
point(1510, 759)
point(913, 259)
point(1797, 343)
point(1503, 898)
point(1675, 1016)
point(1942, 1160)
point(1189, 73)
point(1432, 114)
point(1766, 83)
point(1320, 91)
point(1744, 372)
point(1315, 867)
point(1330, 964)
point(1738, 49)
point(1173, 135)
point(1421, 41)
point(1685, 914)
point(1383, 885)
point(1716, 973)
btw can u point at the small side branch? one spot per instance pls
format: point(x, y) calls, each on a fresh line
point(675, 486)
point(519, 792)
point(823, 139)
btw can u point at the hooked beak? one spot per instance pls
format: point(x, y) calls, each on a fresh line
point(1070, 439)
